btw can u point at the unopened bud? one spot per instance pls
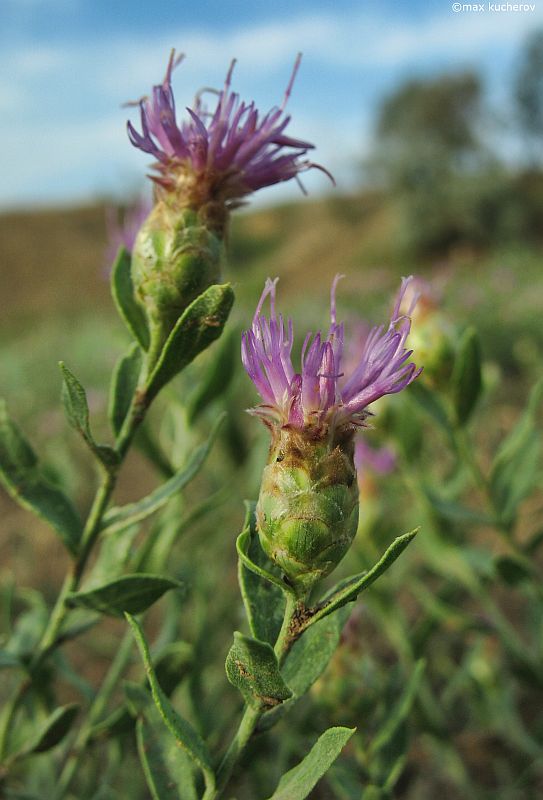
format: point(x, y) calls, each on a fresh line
point(307, 512)
point(175, 258)
point(433, 338)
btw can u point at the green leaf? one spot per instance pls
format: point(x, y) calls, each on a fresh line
point(122, 290)
point(351, 588)
point(514, 473)
point(138, 697)
point(263, 600)
point(306, 661)
point(299, 781)
point(430, 402)
point(448, 509)
point(243, 543)
point(123, 386)
point(168, 770)
point(10, 661)
point(399, 713)
point(172, 664)
point(116, 724)
point(184, 733)
point(154, 761)
point(27, 632)
point(52, 731)
point(118, 518)
point(199, 325)
point(310, 654)
point(20, 474)
point(217, 376)
point(251, 666)
point(466, 376)
point(115, 555)
point(129, 593)
point(77, 410)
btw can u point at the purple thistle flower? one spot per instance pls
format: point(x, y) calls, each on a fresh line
point(321, 395)
point(380, 460)
point(123, 233)
point(221, 155)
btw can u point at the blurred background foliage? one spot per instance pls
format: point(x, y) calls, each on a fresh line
point(437, 200)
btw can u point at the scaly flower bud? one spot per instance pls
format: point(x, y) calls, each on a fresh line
point(205, 166)
point(175, 258)
point(432, 335)
point(307, 511)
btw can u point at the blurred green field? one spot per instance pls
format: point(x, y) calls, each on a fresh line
point(478, 725)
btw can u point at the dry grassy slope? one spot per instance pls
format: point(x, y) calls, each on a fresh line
point(51, 261)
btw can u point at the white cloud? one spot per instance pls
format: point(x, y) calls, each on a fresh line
point(94, 76)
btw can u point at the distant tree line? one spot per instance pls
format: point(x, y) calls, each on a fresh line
point(434, 157)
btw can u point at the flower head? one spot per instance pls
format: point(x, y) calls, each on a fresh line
point(122, 233)
point(320, 396)
point(220, 155)
point(379, 460)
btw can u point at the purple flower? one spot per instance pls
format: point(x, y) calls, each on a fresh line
point(380, 460)
point(219, 155)
point(321, 395)
point(123, 233)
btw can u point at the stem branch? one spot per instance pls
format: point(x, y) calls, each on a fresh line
point(251, 715)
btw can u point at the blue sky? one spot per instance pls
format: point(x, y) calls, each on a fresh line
point(66, 66)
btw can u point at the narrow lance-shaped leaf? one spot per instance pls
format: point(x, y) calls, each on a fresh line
point(129, 593)
point(264, 601)
point(306, 661)
point(242, 545)
point(168, 774)
point(21, 476)
point(466, 376)
point(152, 760)
point(350, 589)
point(400, 711)
point(123, 386)
point(50, 732)
point(171, 667)
point(117, 518)
point(251, 666)
point(430, 402)
point(122, 290)
point(514, 473)
point(199, 325)
point(297, 783)
point(310, 654)
point(182, 730)
point(77, 410)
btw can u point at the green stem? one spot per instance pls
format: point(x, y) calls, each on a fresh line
point(89, 536)
point(251, 715)
point(96, 711)
point(465, 449)
point(282, 645)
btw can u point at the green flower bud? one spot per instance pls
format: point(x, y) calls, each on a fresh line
point(176, 257)
point(307, 512)
point(433, 338)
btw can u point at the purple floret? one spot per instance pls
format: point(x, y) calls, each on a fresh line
point(321, 394)
point(123, 233)
point(229, 152)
